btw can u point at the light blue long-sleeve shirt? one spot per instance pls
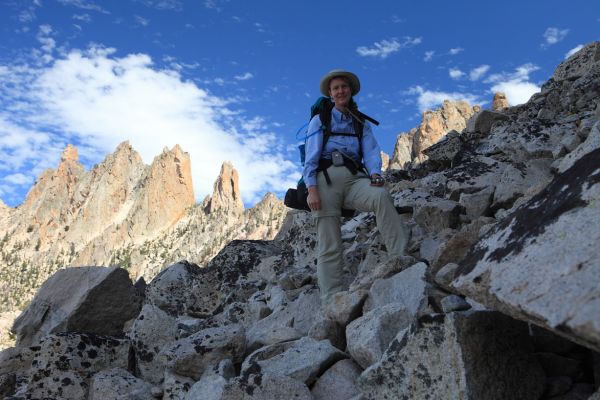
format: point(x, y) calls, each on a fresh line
point(347, 144)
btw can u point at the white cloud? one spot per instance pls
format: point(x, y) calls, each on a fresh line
point(515, 84)
point(428, 99)
point(554, 35)
point(455, 73)
point(386, 47)
point(141, 20)
point(47, 42)
point(479, 72)
point(27, 16)
point(244, 77)
point(428, 56)
point(573, 51)
point(174, 5)
point(18, 179)
point(456, 50)
point(516, 92)
point(84, 5)
point(521, 74)
point(213, 4)
point(82, 17)
point(100, 99)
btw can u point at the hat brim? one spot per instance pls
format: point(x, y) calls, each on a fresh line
point(352, 78)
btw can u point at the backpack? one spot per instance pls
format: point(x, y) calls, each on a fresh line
point(296, 198)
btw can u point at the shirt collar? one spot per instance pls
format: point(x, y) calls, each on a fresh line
point(340, 116)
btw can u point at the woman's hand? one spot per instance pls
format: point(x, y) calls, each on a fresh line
point(377, 180)
point(313, 199)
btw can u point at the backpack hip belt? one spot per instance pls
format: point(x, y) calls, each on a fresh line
point(353, 166)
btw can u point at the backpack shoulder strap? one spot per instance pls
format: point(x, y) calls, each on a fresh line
point(358, 129)
point(325, 116)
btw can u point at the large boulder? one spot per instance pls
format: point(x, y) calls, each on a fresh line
point(368, 336)
point(118, 384)
point(542, 262)
point(257, 385)
point(408, 288)
point(591, 143)
point(438, 214)
point(152, 329)
point(212, 383)
point(475, 355)
point(483, 121)
point(303, 359)
point(63, 364)
point(191, 356)
point(291, 321)
point(171, 290)
point(84, 299)
point(338, 382)
point(444, 151)
point(345, 306)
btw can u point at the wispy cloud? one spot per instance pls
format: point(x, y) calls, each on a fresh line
point(479, 72)
point(84, 5)
point(18, 179)
point(456, 50)
point(95, 98)
point(44, 36)
point(215, 4)
point(430, 99)
point(428, 56)
point(386, 47)
point(455, 73)
point(174, 5)
point(141, 20)
point(554, 35)
point(27, 16)
point(515, 85)
point(244, 77)
point(573, 51)
point(82, 17)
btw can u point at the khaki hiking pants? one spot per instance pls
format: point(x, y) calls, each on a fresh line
point(356, 193)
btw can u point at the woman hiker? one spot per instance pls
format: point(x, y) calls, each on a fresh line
point(335, 180)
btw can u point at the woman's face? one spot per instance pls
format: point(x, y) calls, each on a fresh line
point(340, 92)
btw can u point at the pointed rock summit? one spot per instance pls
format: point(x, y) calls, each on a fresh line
point(226, 191)
point(500, 102)
point(168, 192)
point(46, 201)
point(69, 154)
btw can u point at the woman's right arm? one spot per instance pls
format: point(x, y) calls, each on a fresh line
point(314, 142)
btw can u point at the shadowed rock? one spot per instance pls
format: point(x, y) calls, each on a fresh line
point(85, 299)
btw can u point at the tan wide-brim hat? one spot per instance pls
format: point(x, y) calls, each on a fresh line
point(353, 79)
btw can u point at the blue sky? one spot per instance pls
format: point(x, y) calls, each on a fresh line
point(234, 80)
